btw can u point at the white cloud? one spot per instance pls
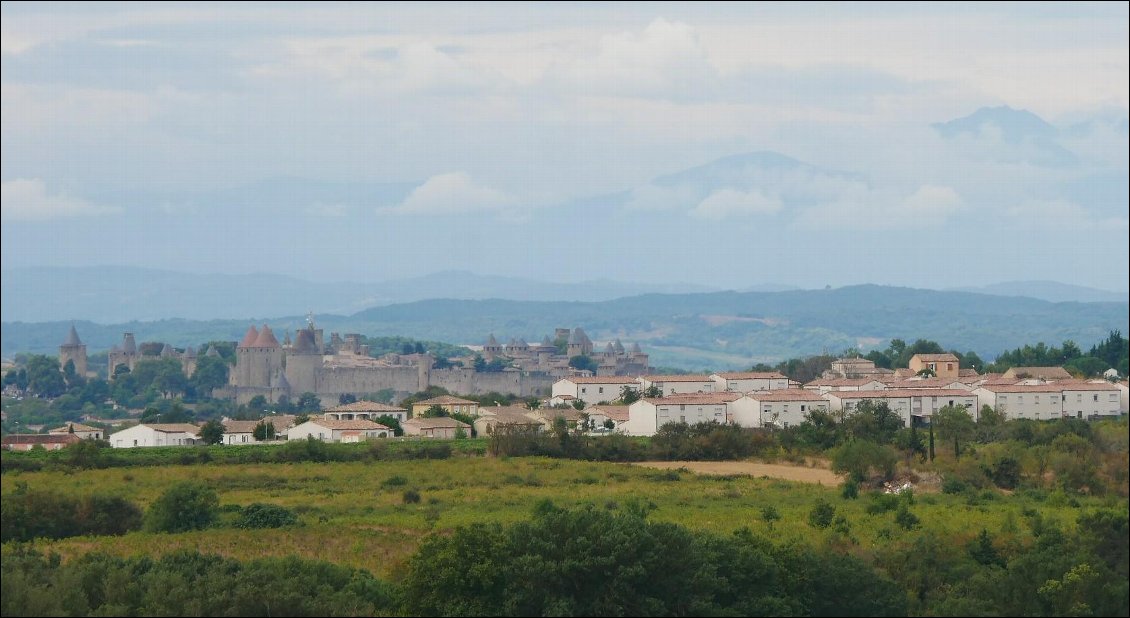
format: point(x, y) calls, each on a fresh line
point(1061, 215)
point(654, 197)
point(862, 207)
point(729, 203)
point(28, 200)
point(452, 193)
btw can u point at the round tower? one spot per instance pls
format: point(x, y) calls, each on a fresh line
point(304, 362)
point(73, 350)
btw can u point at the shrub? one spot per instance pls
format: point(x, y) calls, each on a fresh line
point(411, 496)
point(953, 485)
point(394, 481)
point(27, 515)
point(850, 490)
point(184, 506)
point(882, 503)
point(862, 459)
point(266, 516)
point(822, 514)
point(905, 518)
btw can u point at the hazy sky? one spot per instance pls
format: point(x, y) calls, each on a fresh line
point(546, 140)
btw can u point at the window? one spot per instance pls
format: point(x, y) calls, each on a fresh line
point(135, 442)
point(682, 419)
point(601, 389)
point(1037, 399)
point(582, 390)
point(682, 407)
point(1096, 397)
point(802, 407)
point(949, 366)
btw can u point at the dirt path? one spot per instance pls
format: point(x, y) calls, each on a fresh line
point(777, 471)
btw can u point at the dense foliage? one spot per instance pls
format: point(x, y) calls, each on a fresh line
point(592, 562)
point(184, 506)
point(186, 584)
point(32, 514)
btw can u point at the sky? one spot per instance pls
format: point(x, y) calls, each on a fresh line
point(729, 145)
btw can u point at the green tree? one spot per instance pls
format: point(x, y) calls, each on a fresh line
point(954, 423)
point(212, 432)
point(346, 398)
point(211, 373)
point(629, 395)
point(874, 422)
point(309, 402)
point(392, 423)
point(822, 514)
point(185, 506)
point(584, 363)
point(43, 376)
point(264, 431)
point(435, 411)
point(860, 459)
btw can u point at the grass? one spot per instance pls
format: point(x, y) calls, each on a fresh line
point(354, 513)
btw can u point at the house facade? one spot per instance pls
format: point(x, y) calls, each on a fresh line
point(338, 431)
point(942, 365)
point(647, 415)
point(156, 434)
point(84, 432)
point(744, 382)
point(452, 405)
point(779, 408)
point(594, 389)
point(910, 404)
point(440, 427)
point(680, 385)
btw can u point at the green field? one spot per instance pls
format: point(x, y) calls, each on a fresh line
point(354, 513)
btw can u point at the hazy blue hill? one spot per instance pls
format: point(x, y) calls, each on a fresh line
point(111, 294)
point(1053, 291)
point(1029, 137)
point(720, 329)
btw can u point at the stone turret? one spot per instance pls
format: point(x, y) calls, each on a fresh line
point(73, 350)
point(303, 361)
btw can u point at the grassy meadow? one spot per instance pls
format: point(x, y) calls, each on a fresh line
point(365, 514)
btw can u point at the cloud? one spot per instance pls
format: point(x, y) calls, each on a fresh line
point(863, 207)
point(654, 197)
point(452, 193)
point(28, 200)
point(729, 203)
point(1061, 215)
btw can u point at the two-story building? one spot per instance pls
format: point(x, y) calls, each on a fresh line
point(680, 385)
point(452, 405)
point(647, 415)
point(910, 404)
point(941, 365)
point(594, 389)
point(746, 381)
point(779, 408)
point(367, 410)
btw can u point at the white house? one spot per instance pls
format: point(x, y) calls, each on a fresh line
point(680, 385)
point(601, 414)
point(368, 410)
point(239, 432)
point(1032, 401)
point(746, 381)
point(156, 434)
point(647, 415)
point(1091, 399)
point(594, 389)
point(845, 384)
point(85, 432)
point(783, 408)
point(338, 431)
point(908, 403)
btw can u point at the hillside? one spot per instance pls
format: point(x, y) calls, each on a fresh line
point(712, 330)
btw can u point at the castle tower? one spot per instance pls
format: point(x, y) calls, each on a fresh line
point(579, 344)
point(188, 361)
point(244, 354)
point(492, 348)
point(126, 355)
point(73, 350)
point(267, 358)
point(303, 363)
point(424, 371)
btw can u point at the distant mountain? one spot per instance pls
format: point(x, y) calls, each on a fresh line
point(697, 331)
point(110, 294)
point(1027, 136)
point(1051, 291)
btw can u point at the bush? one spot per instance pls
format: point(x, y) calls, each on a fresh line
point(822, 514)
point(953, 485)
point(411, 496)
point(184, 506)
point(850, 490)
point(27, 515)
point(882, 503)
point(1005, 473)
point(266, 516)
point(862, 459)
point(394, 481)
point(905, 518)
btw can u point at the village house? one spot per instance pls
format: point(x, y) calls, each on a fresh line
point(338, 431)
point(368, 410)
point(156, 434)
point(601, 414)
point(1031, 401)
point(1039, 373)
point(942, 365)
point(28, 441)
point(439, 427)
point(746, 381)
point(85, 432)
point(825, 385)
point(918, 405)
point(594, 389)
point(451, 405)
point(547, 416)
point(492, 417)
point(239, 432)
point(679, 385)
point(1090, 400)
point(647, 415)
point(778, 408)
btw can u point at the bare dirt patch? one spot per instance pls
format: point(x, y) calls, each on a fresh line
point(820, 476)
